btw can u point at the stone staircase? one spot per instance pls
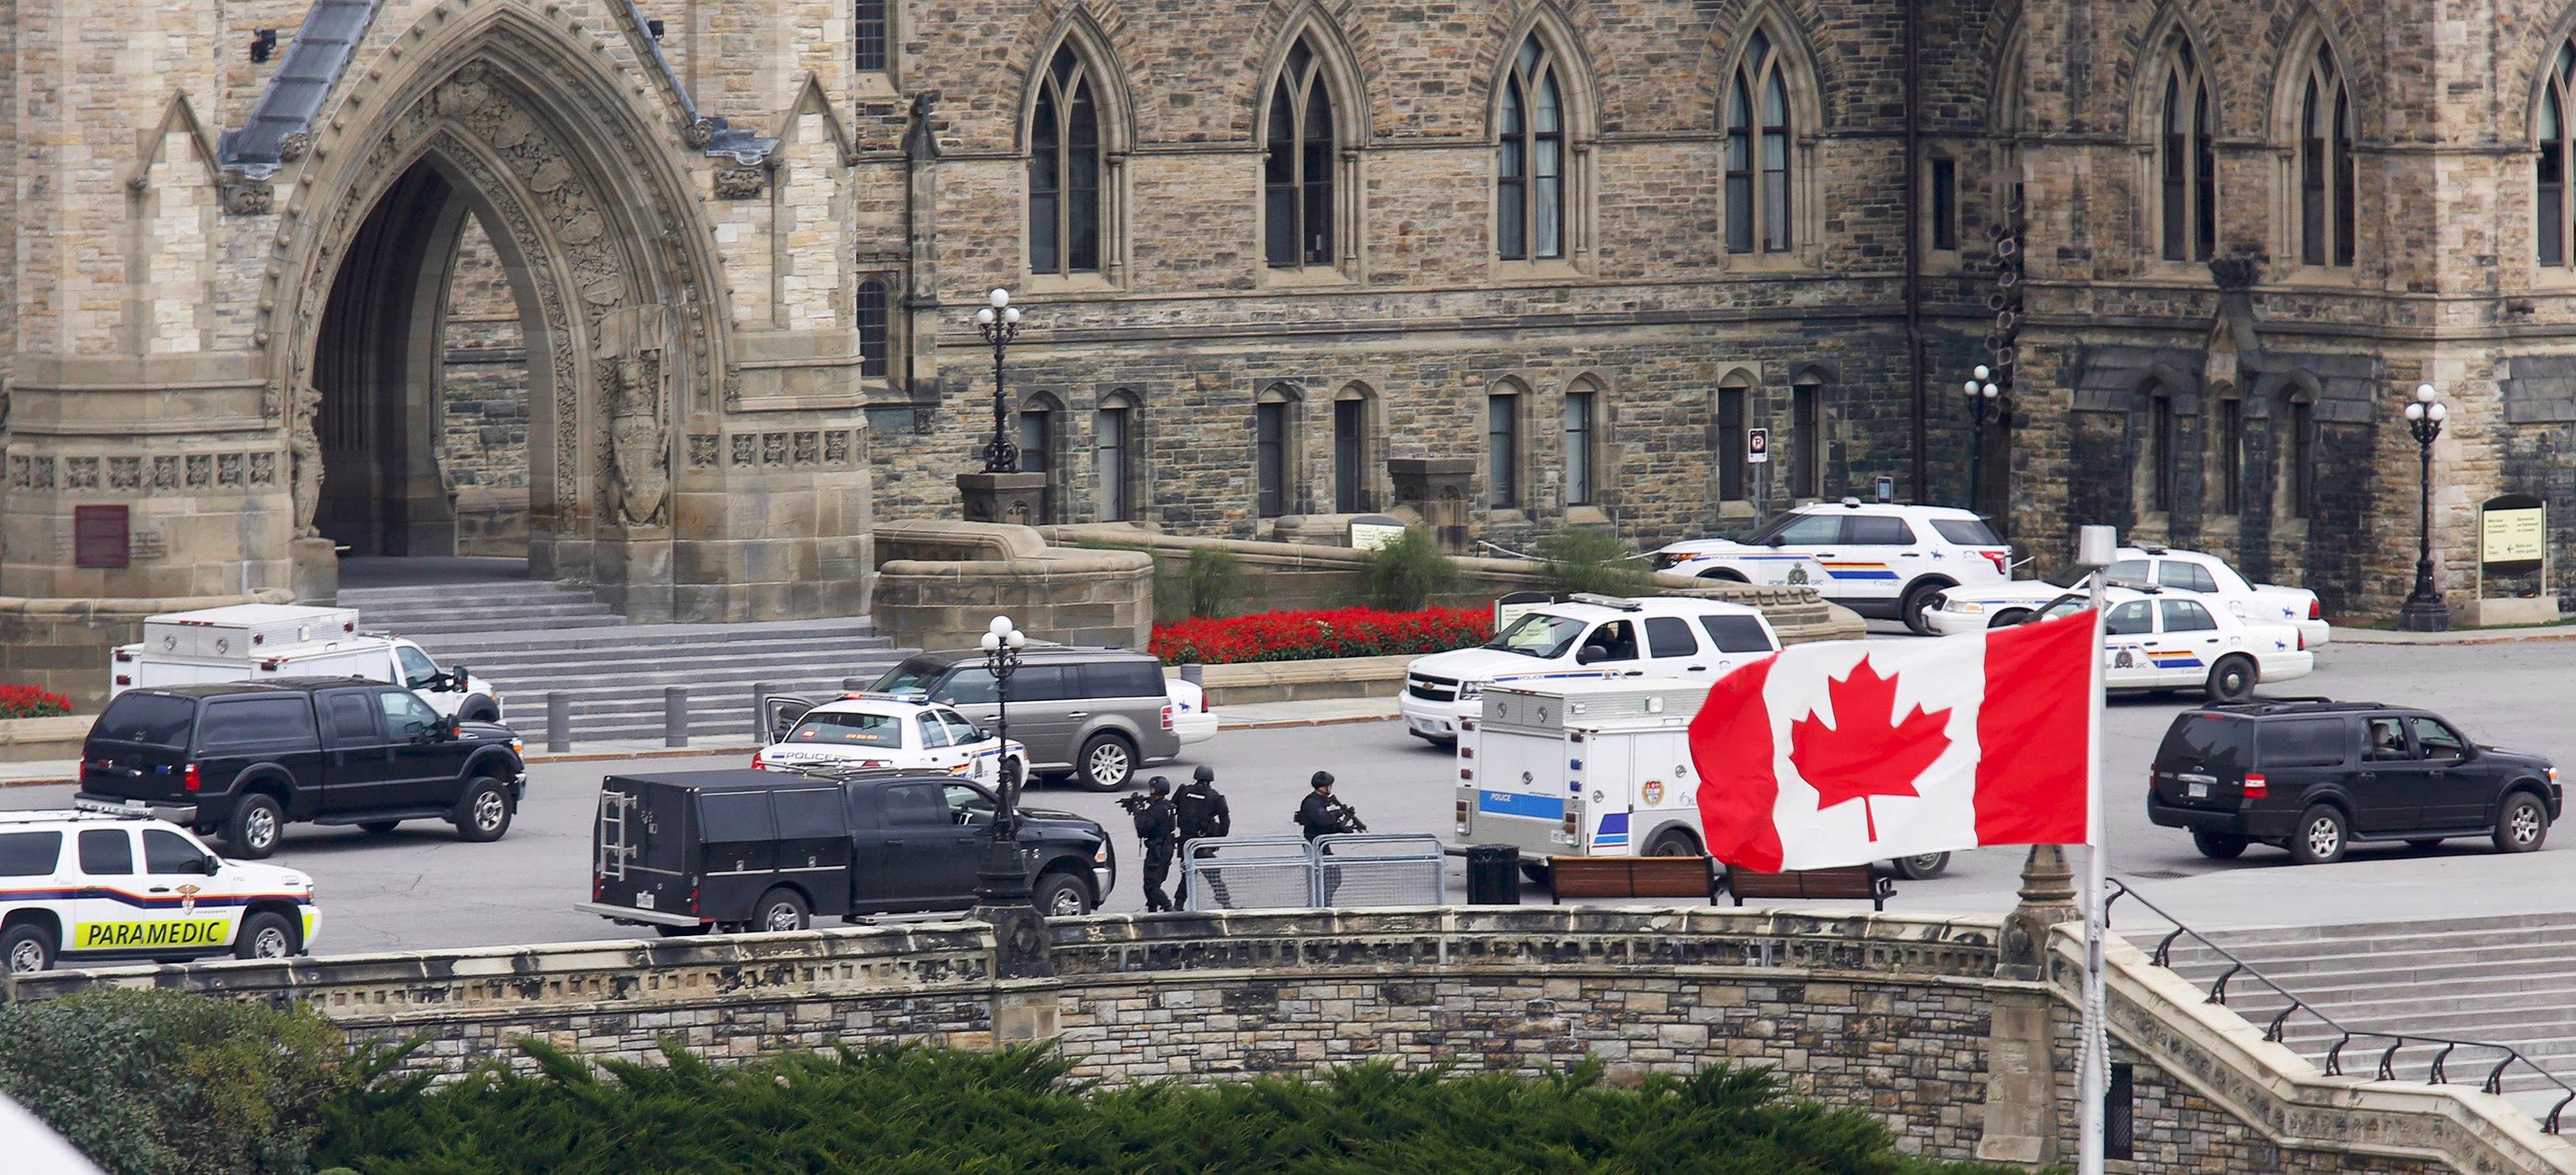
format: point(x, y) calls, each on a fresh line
point(2507, 980)
point(530, 638)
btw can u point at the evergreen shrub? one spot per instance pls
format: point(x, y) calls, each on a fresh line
point(927, 1112)
point(1588, 561)
point(1408, 573)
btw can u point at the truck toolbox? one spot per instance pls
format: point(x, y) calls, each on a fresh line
point(243, 629)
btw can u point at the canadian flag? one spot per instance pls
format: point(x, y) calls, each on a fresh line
point(1856, 751)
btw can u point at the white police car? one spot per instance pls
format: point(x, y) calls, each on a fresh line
point(85, 887)
point(2155, 640)
point(1967, 609)
point(1585, 637)
point(891, 730)
point(1878, 559)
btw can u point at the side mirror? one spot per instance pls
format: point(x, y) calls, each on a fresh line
point(1589, 654)
point(208, 865)
point(456, 679)
point(1776, 541)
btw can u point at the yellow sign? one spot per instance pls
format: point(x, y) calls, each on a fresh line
point(114, 936)
point(2511, 536)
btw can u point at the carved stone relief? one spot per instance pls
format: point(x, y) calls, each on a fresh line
point(304, 448)
point(741, 183)
point(243, 197)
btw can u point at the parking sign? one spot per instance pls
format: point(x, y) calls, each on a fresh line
point(1757, 445)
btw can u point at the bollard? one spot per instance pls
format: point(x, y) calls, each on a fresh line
point(1193, 673)
point(760, 695)
point(675, 715)
point(558, 722)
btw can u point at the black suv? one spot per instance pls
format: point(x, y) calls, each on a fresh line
point(771, 850)
point(247, 757)
point(2312, 776)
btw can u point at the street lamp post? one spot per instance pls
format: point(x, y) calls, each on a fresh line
point(1000, 881)
point(1985, 397)
point(2425, 611)
point(1000, 323)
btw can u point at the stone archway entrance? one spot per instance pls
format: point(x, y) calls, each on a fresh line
point(619, 340)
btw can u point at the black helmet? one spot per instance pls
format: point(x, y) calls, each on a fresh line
point(1322, 779)
point(1158, 785)
point(1204, 774)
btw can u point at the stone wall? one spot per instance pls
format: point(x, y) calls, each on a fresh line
point(1891, 1014)
point(483, 401)
point(939, 584)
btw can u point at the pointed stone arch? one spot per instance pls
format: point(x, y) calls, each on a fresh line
point(511, 120)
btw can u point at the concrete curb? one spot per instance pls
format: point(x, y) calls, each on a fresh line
point(2496, 636)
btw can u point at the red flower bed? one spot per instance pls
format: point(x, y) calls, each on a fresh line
point(26, 701)
point(1308, 636)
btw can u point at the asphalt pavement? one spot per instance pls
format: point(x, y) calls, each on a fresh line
point(419, 888)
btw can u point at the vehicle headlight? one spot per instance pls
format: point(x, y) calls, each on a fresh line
point(518, 747)
point(1963, 605)
point(1100, 856)
point(1470, 689)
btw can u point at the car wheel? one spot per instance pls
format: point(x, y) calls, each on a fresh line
point(381, 827)
point(256, 824)
point(1723, 576)
point(2232, 679)
point(780, 909)
point(1107, 762)
point(2218, 846)
point(2322, 836)
point(484, 814)
point(1534, 871)
point(1922, 866)
point(27, 948)
point(1061, 895)
point(1917, 608)
point(2423, 843)
point(2523, 825)
point(265, 935)
point(1673, 842)
point(2009, 617)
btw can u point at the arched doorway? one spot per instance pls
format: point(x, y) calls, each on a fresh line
point(422, 366)
point(602, 266)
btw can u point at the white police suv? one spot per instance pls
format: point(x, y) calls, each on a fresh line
point(1878, 559)
point(111, 887)
point(2157, 640)
point(1585, 636)
point(900, 731)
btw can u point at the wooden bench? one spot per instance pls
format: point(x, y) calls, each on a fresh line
point(1631, 877)
point(1849, 881)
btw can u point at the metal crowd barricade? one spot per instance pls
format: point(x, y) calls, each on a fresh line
point(1286, 872)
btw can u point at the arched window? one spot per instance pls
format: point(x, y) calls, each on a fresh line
point(1351, 451)
point(873, 333)
point(2226, 423)
point(1582, 442)
point(1757, 151)
point(2556, 144)
point(1274, 449)
point(1298, 175)
point(1807, 437)
point(2294, 447)
point(1113, 451)
point(2327, 185)
point(1064, 169)
point(1503, 447)
point(1037, 451)
point(2186, 164)
point(1529, 163)
point(2159, 461)
point(1732, 405)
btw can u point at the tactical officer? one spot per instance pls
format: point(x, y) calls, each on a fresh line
point(1203, 814)
point(1321, 815)
point(1158, 826)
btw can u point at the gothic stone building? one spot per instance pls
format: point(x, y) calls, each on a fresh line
point(670, 295)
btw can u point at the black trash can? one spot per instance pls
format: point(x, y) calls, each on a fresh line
point(1493, 875)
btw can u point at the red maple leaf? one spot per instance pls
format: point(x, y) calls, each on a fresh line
point(1866, 751)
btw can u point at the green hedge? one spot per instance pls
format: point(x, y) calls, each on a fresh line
point(165, 1083)
point(912, 1110)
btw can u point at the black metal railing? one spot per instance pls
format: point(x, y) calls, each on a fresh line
point(2438, 1072)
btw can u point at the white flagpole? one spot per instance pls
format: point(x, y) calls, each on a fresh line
point(2096, 547)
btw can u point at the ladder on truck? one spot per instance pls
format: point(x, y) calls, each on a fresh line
point(615, 849)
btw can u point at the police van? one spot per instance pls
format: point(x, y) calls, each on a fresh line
point(1591, 769)
point(92, 887)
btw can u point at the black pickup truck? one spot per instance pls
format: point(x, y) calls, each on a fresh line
point(772, 850)
point(248, 757)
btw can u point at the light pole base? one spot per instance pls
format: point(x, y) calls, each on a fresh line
point(1001, 497)
point(1019, 941)
point(2425, 613)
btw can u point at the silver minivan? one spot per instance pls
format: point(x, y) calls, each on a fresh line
point(1095, 713)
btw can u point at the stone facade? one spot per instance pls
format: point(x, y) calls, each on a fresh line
point(1890, 1014)
point(709, 212)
